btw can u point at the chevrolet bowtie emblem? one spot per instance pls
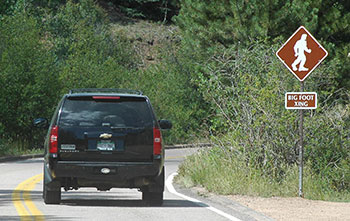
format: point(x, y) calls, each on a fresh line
point(105, 136)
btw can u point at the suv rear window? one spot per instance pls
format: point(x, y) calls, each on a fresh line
point(123, 112)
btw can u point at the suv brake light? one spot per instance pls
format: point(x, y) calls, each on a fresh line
point(105, 98)
point(157, 141)
point(53, 147)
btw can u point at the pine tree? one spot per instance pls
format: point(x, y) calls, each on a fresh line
point(209, 22)
point(206, 24)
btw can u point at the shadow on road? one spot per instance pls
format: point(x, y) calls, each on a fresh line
point(6, 197)
point(129, 203)
point(88, 199)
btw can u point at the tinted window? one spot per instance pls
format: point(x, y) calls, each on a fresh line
point(126, 112)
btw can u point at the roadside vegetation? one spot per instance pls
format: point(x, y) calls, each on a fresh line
point(208, 66)
point(256, 140)
point(17, 149)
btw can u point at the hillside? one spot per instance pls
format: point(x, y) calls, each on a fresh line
point(148, 38)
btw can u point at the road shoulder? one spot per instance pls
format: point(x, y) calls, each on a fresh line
point(222, 203)
point(296, 208)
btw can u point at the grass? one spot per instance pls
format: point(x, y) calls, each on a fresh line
point(231, 176)
point(17, 149)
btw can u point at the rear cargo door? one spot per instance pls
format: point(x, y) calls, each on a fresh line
point(106, 128)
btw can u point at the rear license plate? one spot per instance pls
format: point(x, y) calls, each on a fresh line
point(105, 145)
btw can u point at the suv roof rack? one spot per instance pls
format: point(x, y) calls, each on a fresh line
point(105, 90)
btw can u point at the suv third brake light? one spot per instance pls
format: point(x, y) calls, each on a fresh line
point(105, 98)
point(53, 147)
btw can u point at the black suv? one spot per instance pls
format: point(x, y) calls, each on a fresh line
point(104, 138)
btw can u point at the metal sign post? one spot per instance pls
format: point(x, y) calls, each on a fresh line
point(301, 146)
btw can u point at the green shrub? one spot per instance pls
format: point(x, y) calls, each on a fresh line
point(86, 52)
point(168, 84)
point(328, 145)
point(174, 98)
point(62, 25)
point(28, 77)
point(96, 61)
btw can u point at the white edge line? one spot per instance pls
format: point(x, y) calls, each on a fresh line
point(170, 187)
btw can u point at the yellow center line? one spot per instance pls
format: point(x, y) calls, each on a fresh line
point(16, 199)
point(25, 207)
point(27, 198)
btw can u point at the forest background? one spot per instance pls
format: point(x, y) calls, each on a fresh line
point(208, 66)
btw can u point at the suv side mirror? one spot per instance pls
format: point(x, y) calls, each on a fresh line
point(165, 124)
point(41, 123)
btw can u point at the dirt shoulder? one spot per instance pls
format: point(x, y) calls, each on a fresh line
point(295, 208)
point(290, 209)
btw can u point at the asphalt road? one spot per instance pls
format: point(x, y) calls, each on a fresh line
point(21, 198)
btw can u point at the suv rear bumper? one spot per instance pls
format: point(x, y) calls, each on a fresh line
point(117, 170)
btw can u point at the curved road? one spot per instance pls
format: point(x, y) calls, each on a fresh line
point(21, 198)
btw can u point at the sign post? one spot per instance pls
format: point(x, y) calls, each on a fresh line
point(301, 54)
point(301, 146)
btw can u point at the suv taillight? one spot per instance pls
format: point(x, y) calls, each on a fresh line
point(157, 141)
point(53, 146)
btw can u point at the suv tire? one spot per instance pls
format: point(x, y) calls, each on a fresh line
point(155, 197)
point(51, 197)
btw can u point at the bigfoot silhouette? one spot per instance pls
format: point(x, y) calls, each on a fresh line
point(300, 48)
